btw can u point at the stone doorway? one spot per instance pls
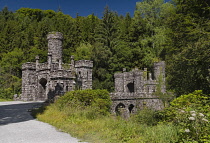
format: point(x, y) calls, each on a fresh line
point(130, 108)
point(42, 89)
point(119, 109)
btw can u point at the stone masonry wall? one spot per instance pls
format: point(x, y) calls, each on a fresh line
point(44, 81)
point(135, 90)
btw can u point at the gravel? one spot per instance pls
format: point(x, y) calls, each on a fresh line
point(18, 126)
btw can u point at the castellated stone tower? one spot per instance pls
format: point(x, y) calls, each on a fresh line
point(159, 74)
point(136, 89)
point(44, 81)
point(84, 73)
point(55, 40)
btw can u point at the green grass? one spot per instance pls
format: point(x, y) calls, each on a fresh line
point(3, 100)
point(85, 115)
point(81, 122)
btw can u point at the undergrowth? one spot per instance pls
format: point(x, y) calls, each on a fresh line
point(90, 121)
point(3, 100)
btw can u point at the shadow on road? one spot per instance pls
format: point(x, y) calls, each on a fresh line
point(14, 112)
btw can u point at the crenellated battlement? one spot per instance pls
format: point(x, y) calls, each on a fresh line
point(55, 35)
point(83, 63)
point(29, 66)
point(136, 89)
point(44, 81)
point(118, 75)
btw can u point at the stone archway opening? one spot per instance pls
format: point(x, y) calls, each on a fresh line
point(119, 109)
point(42, 89)
point(130, 108)
point(130, 87)
point(43, 82)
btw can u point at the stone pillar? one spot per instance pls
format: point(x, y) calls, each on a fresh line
point(72, 63)
point(145, 74)
point(49, 60)
point(72, 60)
point(137, 81)
point(124, 79)
point(59, 64)
point(55, 45)
point(37, 62)
point(159, 74)
point(150, 76)
point(159, 70)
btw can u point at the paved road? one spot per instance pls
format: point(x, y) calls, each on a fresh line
point(18, 126)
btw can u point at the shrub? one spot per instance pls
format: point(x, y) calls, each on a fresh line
point(190, 112)
point(145, 116)
point(96, 99)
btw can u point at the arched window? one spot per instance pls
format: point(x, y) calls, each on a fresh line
point(130, 87)
point(130, 108)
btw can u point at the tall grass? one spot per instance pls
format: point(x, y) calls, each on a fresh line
point(3, 100)
point(84, 123)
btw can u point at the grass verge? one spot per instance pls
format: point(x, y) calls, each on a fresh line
point(106, 129)
point(3, 100)
point(85, 114)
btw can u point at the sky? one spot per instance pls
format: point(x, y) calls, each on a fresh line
point(72, 7)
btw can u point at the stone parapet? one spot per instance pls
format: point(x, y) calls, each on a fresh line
point(128, 75)
point(118, 75)
point(55, 35)
point(130, 96)
point(29, 65)
point(62, 73)
point(42, 66)
point(83, 63)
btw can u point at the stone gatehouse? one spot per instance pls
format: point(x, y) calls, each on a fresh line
point(135, 89)
point(42, 81)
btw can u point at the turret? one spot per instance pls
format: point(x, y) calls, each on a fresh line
point(159, 74)
point(84, 73)
point(55, 45)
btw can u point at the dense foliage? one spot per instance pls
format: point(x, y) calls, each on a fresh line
point(84, 114)
point(177, 32)
point(191, 113)
point(97, 99)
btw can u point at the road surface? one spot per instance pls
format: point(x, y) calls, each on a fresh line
point(18, 126)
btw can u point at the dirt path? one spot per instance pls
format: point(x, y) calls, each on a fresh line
point(18, 126)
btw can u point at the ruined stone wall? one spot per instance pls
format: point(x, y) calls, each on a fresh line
point(29, 81)
point(159, 74)
point(84, 73)
point(42, 81)
point(136, 89)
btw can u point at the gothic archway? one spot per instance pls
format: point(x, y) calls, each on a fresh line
point(119, 108)
point(42, 89)
point(130, 108)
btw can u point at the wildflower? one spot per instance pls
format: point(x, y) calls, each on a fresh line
point(187, 130)
point(193, 114)
point(205, 120)
point(182, 111)
point(191, 118)
point(201, 115)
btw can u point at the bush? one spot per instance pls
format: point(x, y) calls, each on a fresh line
point(98, 100)
point(146, 116)
point(192, 113)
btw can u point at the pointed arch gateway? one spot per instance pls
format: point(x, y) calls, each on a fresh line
point(130, 108)
point(42, 89)
point(118, 108)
